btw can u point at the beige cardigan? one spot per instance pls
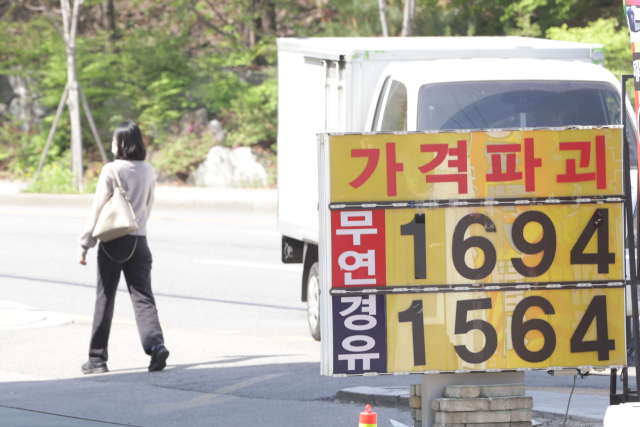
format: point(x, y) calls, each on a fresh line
point(138, 180)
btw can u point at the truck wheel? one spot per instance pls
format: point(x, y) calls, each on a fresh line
point(313, 301)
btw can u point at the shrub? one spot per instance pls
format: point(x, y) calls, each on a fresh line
point(56, 177)
point(177, 156)
point(253, 116)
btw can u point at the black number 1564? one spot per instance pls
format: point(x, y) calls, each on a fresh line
point(597, 311)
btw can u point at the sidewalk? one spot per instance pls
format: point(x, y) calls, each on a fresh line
point(247, 200)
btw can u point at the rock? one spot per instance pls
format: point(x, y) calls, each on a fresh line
point(194, 121)
point(215, 128)
point(415, 402)
point(477, 417)
point(514, 402)
point(226, 167)
point(519, 415)
point(462, 391)
point(460, 405)
point(502, 390)
point(6, 90)
point(20, 102)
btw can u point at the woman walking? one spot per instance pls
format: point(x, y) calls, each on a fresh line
point(129, 254)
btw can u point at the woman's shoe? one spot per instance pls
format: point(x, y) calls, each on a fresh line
point(159, 358)
point(94, 368)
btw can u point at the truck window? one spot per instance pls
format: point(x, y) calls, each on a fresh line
point(376, 116)
point(492, 105)
point(394, 117)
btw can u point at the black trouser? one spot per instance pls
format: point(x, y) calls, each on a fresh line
point(137, 273)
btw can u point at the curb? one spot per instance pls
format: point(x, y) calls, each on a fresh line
point(580, 418)
point(228, 202)
point(388, 397)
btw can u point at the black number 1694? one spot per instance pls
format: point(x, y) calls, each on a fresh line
point(599, 223)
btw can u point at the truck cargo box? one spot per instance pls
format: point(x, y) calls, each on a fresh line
point(328, 85)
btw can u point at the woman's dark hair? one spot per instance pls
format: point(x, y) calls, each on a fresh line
point(129, 141)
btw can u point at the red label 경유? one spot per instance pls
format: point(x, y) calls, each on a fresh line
point(358, 248)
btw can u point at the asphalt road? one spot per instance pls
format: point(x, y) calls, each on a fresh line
point(231, 312)
point(240, 349)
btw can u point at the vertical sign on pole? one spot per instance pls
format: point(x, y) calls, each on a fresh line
point(472, 251)
point(633, 20)
point(632, 10)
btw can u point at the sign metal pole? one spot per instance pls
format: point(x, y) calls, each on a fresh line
point(633, 272)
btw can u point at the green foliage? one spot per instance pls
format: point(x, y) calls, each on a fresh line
point(56, 177)
point(20, 151)
point(608, 32)
point(179, 155)
point(169, 57)
point(252, 116)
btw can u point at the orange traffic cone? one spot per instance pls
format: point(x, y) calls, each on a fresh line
point(368, 418)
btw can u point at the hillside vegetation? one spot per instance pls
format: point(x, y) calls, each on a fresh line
point(154, 61)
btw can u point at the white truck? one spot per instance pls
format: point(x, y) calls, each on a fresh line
point(420, 84)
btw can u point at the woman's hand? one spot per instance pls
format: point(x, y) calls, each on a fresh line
point(82, 259)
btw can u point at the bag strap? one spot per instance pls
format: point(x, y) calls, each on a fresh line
point(118, 178)
point(124, 260)
point(126, 196)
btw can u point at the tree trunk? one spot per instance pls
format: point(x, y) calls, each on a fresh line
point(382, 7)
point(409, 15)
point(268, 18)
point(76, 130)
point(70, 22)
point(108, 22)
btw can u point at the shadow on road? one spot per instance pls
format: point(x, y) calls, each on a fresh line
point(279, 394)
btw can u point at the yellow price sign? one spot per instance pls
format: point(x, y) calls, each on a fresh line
point(489, 245)
point(476, 165)
point(505, 330)
point(478, 331)
point(473, 251)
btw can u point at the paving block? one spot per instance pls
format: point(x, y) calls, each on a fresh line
point(416, 402)
point(418, 389)
point(462, 405)
point(521, 415)
point(418, 415)
point(450, 417)
point(412, 390)
point(520, 424)
point(506, 403)
point(488, 417)
point(502, 390)
point(435, 404)
point(462, 391)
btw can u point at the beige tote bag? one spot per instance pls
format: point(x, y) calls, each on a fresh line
point(117, 217)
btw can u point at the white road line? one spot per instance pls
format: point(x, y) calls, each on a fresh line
point(281, 267)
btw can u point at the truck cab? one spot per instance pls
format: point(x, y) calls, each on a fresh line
point(422, 84)
point(449, 95)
